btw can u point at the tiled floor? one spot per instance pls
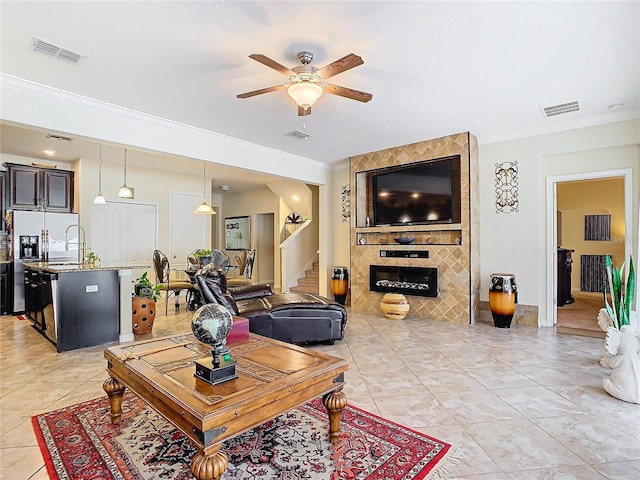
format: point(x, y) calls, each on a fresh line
point(519, 403)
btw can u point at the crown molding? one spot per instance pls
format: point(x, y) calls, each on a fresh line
point(234, 152)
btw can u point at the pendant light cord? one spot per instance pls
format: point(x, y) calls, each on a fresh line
point(100, 173)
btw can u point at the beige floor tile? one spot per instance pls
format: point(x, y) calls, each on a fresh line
point(394, 385)
point(442, 381)
point(20, 436)
point(516, 445)
point(40, 475)
point(620, 470)
point(591, 438)
point(472, 460)
point(477, 407)
point(569, 472)
point(534, 402)
point(365, 403)
point(475, 386)
point(10, 419)
point(20, 463)
point(415, 411)
point(500, 377)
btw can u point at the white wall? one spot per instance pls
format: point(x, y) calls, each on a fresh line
point(150, 186)
point(516, 242)
point(260, 200)
point(340, 254)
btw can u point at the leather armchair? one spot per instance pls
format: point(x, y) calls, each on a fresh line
point(299, 318)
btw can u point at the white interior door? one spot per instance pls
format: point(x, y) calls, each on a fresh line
point(123, 233)
point(187, 228)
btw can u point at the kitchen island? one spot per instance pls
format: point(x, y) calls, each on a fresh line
point(76, 306)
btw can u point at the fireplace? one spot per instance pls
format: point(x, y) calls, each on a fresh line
point(420, 281)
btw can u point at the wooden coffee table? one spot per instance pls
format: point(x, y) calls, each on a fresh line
point(273, 377)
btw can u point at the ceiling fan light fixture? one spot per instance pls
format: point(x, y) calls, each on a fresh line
point(305, 94)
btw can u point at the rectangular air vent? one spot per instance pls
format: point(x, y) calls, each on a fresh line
point(56, 51)
point(560, 109)
point(59, 137)
point(297, 134)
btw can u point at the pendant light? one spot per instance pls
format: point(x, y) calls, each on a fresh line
point(204, 208)
point(125, 192)
point(99, 200)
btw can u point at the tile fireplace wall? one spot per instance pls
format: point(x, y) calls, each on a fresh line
point(452, 248)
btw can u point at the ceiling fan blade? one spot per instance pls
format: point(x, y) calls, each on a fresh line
point(348, 93)
point(339, 66)
point(261, 91)
point(258, 57)
point(304, 111)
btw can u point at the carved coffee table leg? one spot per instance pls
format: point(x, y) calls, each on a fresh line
point(209, 465)
point(334, 402)
point(115, 390)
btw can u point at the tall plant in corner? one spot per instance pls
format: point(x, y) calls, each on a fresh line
point(621, 293)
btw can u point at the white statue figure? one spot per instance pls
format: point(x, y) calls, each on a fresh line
point(624, 346)
point(605, 323)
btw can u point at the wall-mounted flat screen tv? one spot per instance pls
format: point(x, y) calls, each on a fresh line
point(419, 193)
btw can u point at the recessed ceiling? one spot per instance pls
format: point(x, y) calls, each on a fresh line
point(434, 68)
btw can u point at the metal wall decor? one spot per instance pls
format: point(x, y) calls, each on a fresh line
point(346, 203)
point(507, 187)
point(597, 227)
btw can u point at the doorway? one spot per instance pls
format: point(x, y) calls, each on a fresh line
point(187, 230)
point(577, 199)
point(265, 245)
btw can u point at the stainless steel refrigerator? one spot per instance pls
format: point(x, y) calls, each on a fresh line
point(36, 237)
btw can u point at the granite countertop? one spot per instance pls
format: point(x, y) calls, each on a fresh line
point(66, 267)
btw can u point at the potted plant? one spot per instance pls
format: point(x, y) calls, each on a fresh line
point(203, 255)
point(621, 295)
point(143, 287)
point(92, 258)
point(622, 343)
point(143, 304)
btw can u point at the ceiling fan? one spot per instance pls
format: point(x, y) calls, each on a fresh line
point(306, 82)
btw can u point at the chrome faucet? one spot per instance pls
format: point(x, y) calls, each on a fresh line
point(82, 247)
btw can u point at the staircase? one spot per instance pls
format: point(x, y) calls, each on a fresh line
point(310, 282)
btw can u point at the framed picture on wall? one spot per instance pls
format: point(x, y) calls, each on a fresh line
point(237, 233)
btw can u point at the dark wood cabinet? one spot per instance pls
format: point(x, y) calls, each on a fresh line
point(565, 260)
point(30, 188)
point(58, 190)
point(3, 226)
point(6, 288)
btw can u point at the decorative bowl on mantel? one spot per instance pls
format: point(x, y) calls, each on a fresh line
point(405, 240)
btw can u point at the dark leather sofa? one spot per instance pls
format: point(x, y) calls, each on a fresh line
point(299, 318)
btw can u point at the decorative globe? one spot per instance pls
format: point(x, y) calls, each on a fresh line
point(211, 324)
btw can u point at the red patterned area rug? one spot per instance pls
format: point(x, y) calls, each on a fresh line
point(79, 442)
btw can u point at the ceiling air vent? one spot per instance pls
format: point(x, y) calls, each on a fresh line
point(59, 137)
point(560, 109)
point(298, 135)
point(56, 51)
